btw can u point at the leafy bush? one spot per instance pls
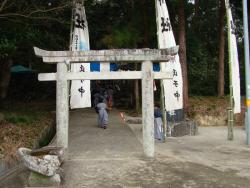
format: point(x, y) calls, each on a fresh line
point(19, 119)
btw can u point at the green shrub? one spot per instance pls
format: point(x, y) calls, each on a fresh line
point(19, 119)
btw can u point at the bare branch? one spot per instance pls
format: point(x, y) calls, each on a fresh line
point(3, 4)
point(9, 15)
point(48, 10)
point(33, 12)
point(8, 5)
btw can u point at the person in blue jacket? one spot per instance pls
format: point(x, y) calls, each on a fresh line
point(158, 124)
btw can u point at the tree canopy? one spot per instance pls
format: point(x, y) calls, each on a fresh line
point(118, 24)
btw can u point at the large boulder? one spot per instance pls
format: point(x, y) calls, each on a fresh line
point(44, 164)
point(43, 161)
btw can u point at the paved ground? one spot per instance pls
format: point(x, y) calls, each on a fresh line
point(16, 180)
point(114, 157)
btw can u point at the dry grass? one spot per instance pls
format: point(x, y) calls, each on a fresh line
point(213, 106)
point(22, 127)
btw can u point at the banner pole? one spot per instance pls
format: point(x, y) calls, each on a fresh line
point(163, 108)
point(247, 69)
point(230, 109)
point(70, 42)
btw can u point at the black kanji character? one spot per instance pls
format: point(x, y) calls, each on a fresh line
point(177, 95)
point(161, 2)
point(166, 26)
point(81, 90)
point(175, 73)
point(175, 83)
point(79, 23)
point(82, 68)
point(76, 42)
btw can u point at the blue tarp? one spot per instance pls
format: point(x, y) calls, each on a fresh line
point(156, 67)
point(21, 69)
point(95, 67)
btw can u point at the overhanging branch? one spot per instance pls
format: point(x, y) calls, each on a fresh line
point(3, 4)
point(48, 10)
point(34, 13)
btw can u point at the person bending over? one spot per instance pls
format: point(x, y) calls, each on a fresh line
point(102, 113)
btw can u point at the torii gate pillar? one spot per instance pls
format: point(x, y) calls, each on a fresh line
point(148, 108)
point(62, 112)
point(62, 108)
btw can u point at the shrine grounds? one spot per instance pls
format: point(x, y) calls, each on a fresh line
point(114, 157)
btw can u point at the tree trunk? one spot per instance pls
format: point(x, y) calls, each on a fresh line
point(221, 50)
point(5, 76)
point(182, 53)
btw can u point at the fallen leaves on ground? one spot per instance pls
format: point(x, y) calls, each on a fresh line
point(16, 135)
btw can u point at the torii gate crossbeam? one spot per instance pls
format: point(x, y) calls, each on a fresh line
point(146, 56)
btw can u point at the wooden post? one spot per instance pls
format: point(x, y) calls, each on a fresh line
point(163, 106)
point(148, 108)
point(62, 111)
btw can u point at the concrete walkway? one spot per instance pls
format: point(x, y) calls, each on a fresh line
point(98, 156)
point(114, 158)
point(87, 141)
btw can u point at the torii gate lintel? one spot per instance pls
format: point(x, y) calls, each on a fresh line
point(145, 56)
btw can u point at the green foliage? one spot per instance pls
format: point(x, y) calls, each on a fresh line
point(19, 119)
point(6, 47)
point(120, 24)
point(203, 48)
point(122, 37)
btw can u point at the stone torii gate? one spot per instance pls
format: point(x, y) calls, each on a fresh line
point(144, 56)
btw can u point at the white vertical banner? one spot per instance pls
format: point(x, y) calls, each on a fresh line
point(80, 95)
point(234, 62)
point(173, 89)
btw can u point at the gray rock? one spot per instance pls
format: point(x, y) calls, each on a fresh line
point(46, 164)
